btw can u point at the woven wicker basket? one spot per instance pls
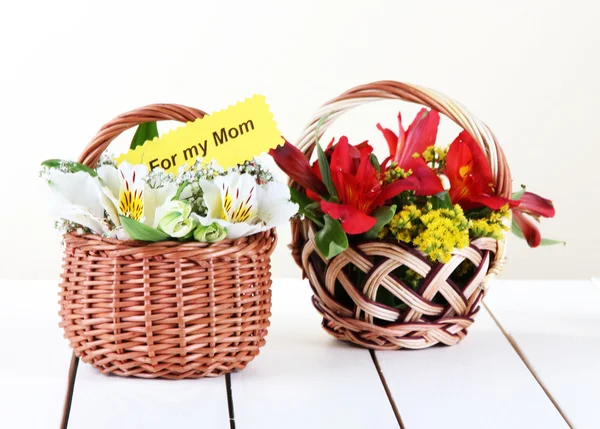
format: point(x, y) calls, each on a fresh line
point(168, 309)
point(424, 321)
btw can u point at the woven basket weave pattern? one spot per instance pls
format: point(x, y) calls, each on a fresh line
point(168, 309)
point(439, 311)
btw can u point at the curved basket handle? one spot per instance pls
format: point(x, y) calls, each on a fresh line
point(386, 90)
point(150, 113)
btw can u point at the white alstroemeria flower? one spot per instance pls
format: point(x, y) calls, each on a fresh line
point(236, 202)
point(78, 197)
point(131, 195)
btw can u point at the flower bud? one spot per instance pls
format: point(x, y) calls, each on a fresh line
point(174, 218)
point(210, 233)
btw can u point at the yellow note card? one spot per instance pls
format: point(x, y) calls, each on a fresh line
point(230, 137)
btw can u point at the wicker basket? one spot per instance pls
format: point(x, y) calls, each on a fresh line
point(424, 321)
point(168, 309)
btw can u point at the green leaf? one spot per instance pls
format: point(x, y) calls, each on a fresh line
point(478, 213)
point(441, 201)
point(331, 240)
point(146, 131)
point(375, 163)
point(383, 215)
point(139, 231)
point(306, 207)
point(299, 197)
point(323, 163)
point(517, 195)
point(71, 166)
point(545, 241)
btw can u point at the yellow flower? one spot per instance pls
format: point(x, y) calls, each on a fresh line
point(493, 226)
point(445, 230)
point(403, 226)
point(412, 278)
point(435, 154)
point(395, 173)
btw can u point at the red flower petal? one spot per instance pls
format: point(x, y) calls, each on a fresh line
point(470, 175)
point(491, 201)
point(366, 175)
point(293, 162)
point(342, 159)
point(528, 228)
point(478, 165)
point(429, 182)
point(364, 149)
point(459, 156)
point(353, 220)
point(395, 188)
point(535, 205)
point(420, 135)
point(395, 142)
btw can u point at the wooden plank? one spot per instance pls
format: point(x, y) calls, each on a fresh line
point(556, 325)
point(34, 363)
point(304, 378)
point(479, 383)
point(103, 401)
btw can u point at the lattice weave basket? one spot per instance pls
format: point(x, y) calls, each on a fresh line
point(422, 323)
point(169, 309)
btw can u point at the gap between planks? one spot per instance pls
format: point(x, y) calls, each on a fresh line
point(521, 355)
point(69, 395)
point(387, 389)
point(230, 400)
point(71, 387)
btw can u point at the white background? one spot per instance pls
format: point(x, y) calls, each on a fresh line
point(530, 69)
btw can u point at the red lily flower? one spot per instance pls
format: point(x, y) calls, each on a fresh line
point(354, 152)
point(535, 206)
point(420, 135)
point(471, 183)
point(358, 187)
point(291, 160)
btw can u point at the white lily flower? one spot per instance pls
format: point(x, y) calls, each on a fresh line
point(236, 202)
point(131, 195)
point(78, 197)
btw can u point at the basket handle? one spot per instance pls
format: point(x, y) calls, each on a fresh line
point(133, 118)
point(386, 90)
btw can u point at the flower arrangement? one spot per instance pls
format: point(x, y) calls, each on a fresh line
point(432, 197)
point(200, 203)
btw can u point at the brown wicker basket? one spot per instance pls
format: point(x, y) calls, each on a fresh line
point(168, 309)
point(424, 321)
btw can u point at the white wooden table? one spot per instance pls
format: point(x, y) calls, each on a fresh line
point(531, 360)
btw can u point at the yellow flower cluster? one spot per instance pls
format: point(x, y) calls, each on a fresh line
point(493, 226)
point(412, 278)
point(434, 156)
point(445, 230)
point(395, 173)
point(435, 232)
point(435, 153)
point(405, 224)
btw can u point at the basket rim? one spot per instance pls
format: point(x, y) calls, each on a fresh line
point(194, 249)
point(141, 243)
